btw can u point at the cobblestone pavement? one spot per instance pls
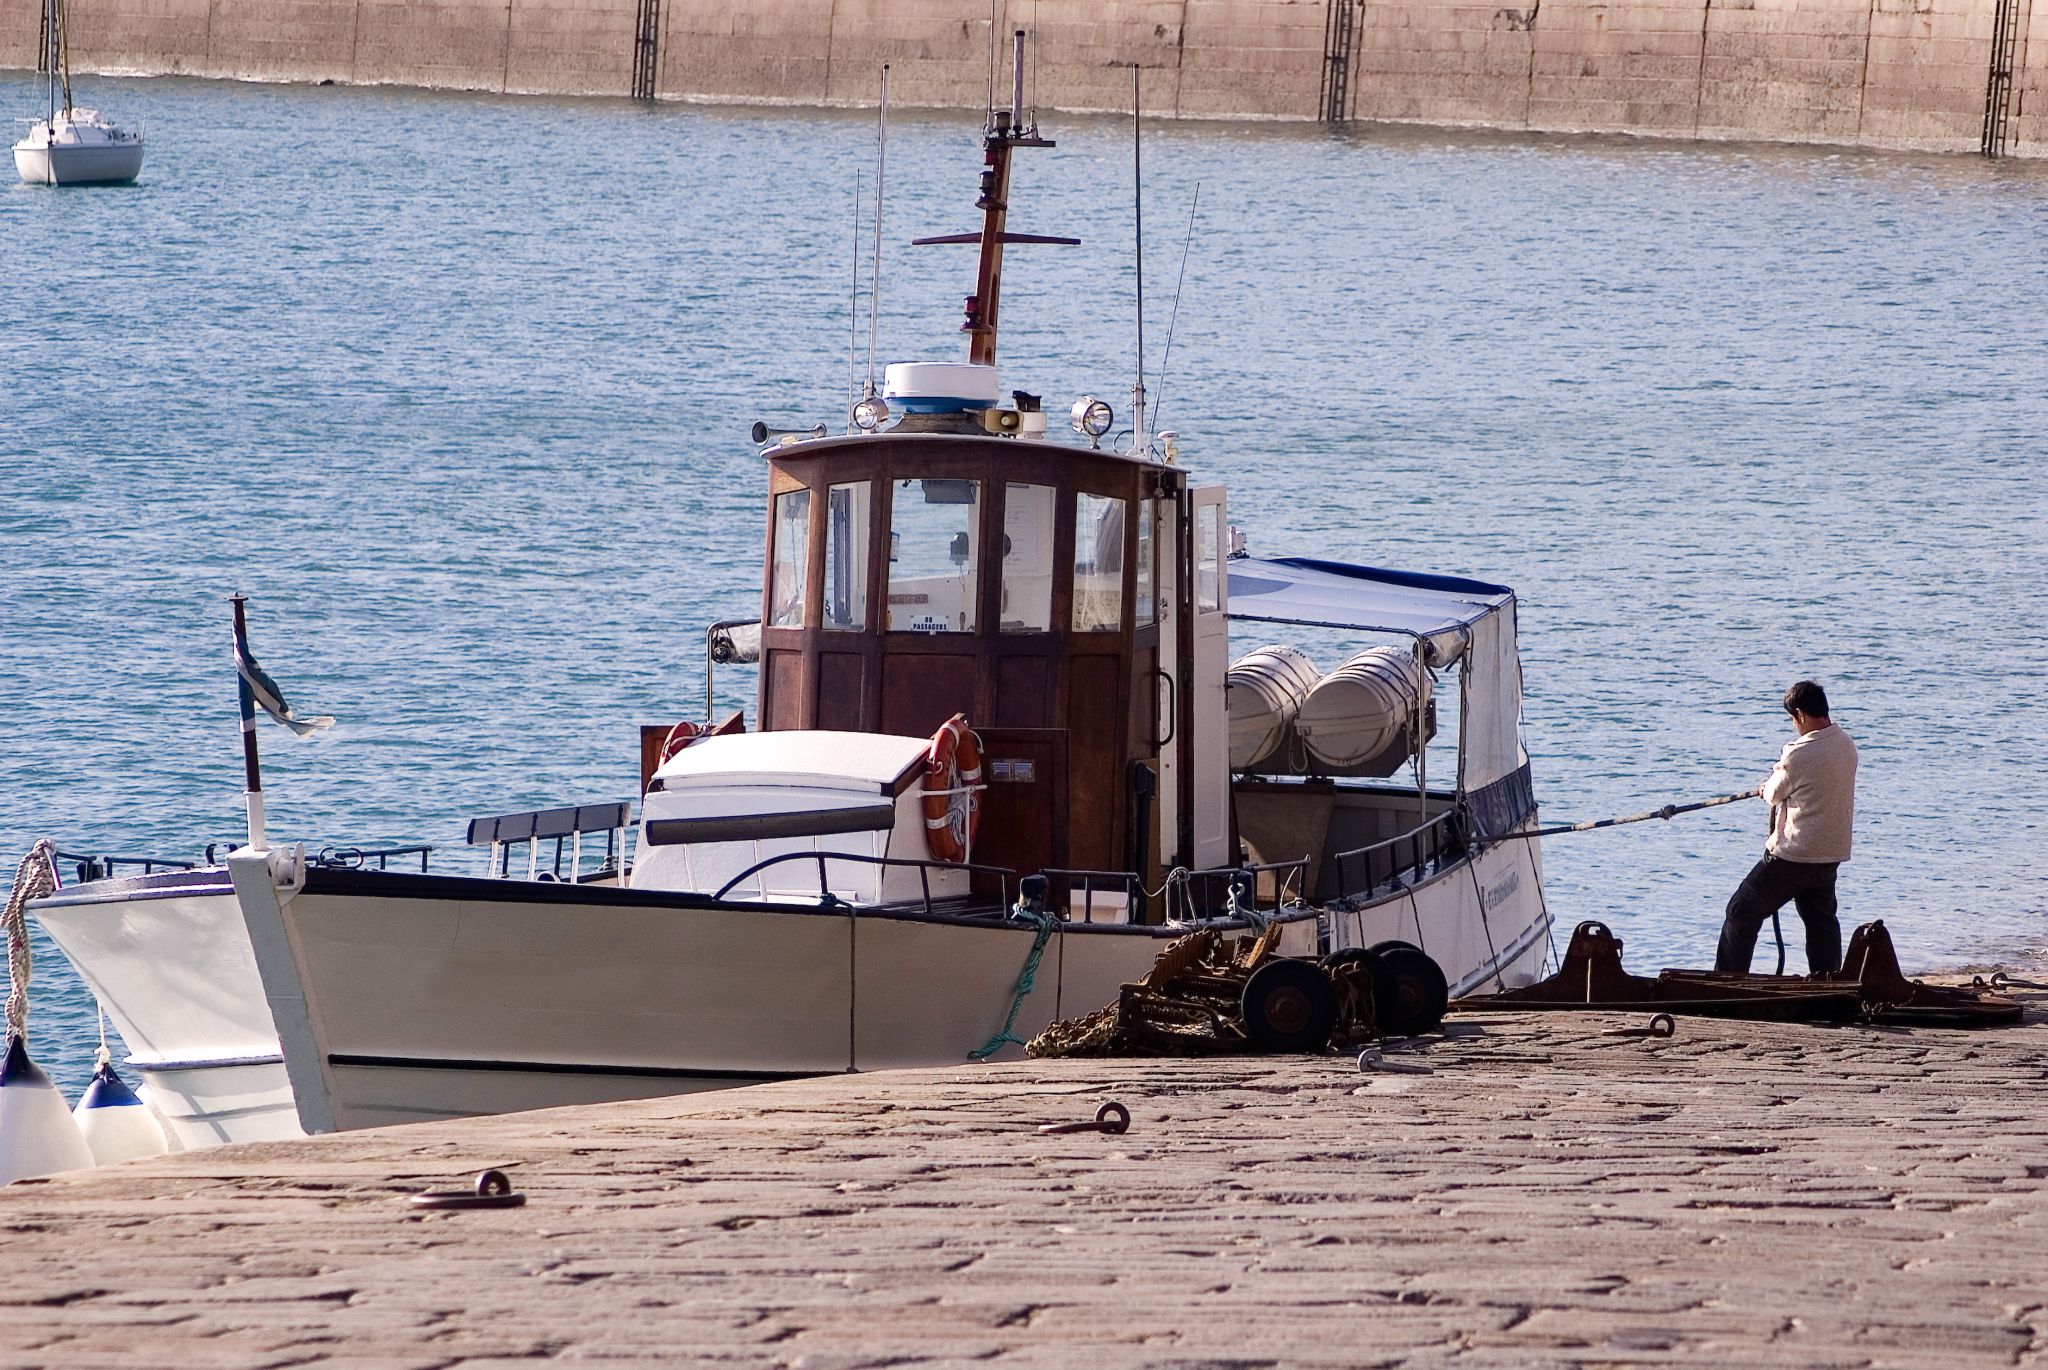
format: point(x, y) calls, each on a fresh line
point(1547, 1195)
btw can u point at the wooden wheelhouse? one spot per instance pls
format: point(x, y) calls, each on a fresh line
point(1053, 594)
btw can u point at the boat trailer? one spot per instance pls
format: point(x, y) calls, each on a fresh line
point(1870, 987)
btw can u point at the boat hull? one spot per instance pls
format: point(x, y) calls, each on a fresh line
point(168, 957)
point(402, 998)
point(79, 164)
point(428, 997)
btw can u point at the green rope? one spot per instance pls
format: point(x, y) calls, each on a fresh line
point(1025, 980)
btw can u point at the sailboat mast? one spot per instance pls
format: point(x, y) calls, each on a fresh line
point(52, 17)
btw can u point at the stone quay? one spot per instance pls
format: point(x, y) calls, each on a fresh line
point(1531, 1190)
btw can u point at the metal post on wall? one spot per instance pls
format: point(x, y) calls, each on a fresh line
point(1340, 40)
point(647, 49)
point(2005, 24)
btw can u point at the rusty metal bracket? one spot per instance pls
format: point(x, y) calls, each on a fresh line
point(493, 1190)
point(1112, 1118)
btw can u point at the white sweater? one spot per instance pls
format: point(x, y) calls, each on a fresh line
point(1812, 794)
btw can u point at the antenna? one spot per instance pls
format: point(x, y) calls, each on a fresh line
point(995, 19)
point(853, 306)
point(1037, 59)
point(1140, 439)
point(875, 277)
point(1174, 318)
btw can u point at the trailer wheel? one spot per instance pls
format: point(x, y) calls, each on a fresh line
point(1413, 995)
point(1289, 1006)
point(1395, 945)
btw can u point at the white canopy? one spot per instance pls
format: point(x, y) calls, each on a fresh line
point(1331, 594)
point(1455, 618)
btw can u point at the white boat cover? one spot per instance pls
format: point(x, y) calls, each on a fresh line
point(1454, 618)
point(874, 763)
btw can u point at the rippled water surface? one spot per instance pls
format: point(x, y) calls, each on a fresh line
point(457, 388)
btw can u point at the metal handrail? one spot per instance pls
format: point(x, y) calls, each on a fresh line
point(1133, 888)
point(354, 858)
point(1128, 880)
point(1419, 858)
point(91, 868)
point(1005, 876)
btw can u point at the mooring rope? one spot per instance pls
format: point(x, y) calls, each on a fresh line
point(1669, 811)
point(1026, 979)
point(35, 877)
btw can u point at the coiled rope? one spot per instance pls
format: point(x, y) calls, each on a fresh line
point(1026, 979)
point(35, 877)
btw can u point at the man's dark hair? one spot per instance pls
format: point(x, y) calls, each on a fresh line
point(1807, 698)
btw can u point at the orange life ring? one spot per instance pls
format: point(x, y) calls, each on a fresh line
point(952, 790)
point(681, 736)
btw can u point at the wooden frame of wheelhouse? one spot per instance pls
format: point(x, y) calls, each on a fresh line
point(1068, 713)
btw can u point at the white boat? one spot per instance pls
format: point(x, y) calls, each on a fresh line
point(864, 880)
point(71, 145)
point(76, 146)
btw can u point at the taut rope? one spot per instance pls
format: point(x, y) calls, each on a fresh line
point(1669, 811)
point(35, 877)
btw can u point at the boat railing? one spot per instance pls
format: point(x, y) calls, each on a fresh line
point(565, 827)
point(1191, 894)
point(91, 868)
point(1407, 855)
point(1005, 878)
point(359, 858)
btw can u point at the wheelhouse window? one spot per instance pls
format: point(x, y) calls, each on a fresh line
point(1027, 557)
point(846, 556)
point(792, 558)
point(934, 526)
point(1098, 564)
point(1209, 566)
point(1148, 563)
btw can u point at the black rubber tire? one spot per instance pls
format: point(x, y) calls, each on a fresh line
point(1289, 1006)
point(1414, 996)
point(1395, 945)
point(1344, 956)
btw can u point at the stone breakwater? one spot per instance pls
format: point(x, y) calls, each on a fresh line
point(1901, 73)
point(1549, 1195)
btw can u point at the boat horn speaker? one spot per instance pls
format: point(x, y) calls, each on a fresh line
point(763, 433)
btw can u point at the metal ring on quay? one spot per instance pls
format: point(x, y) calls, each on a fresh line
point(493, 1190)
point(1112, 1118)
point(1661, 1025)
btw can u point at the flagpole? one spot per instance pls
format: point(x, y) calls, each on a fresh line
point(252, 773)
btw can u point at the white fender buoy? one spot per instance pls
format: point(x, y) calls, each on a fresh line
point(116, 1124)
point(37, 1133)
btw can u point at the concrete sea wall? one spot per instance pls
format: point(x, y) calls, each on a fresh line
point(1902, 73)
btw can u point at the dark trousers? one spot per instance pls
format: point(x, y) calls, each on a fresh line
point(1810, 885)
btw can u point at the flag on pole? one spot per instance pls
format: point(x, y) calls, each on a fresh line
point(263, 690)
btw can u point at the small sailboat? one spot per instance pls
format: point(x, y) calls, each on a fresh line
point(71, 145)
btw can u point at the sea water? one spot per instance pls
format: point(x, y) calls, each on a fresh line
point(457, 389)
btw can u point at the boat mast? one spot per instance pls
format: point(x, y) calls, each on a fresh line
point(1140, 440)
point(60, 52)
point(1005, 132)
point(50, 22)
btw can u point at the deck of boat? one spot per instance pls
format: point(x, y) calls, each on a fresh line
point(1756, 1194)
